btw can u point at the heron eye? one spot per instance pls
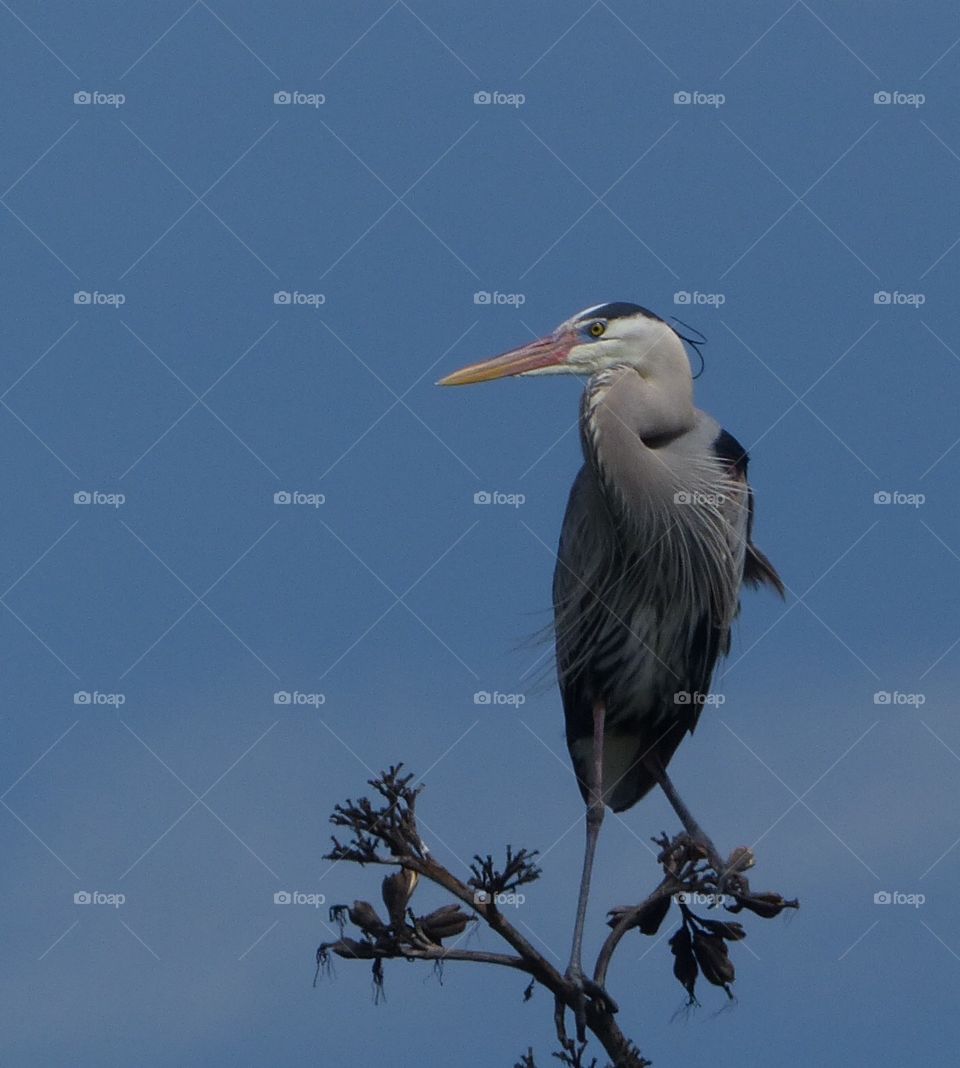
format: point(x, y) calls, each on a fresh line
point(597, 329)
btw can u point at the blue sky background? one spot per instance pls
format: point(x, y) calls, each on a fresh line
point(796, 200)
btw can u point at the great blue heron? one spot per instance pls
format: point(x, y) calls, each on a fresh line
point(655, 546)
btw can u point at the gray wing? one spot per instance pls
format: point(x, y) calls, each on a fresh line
point(618, 641)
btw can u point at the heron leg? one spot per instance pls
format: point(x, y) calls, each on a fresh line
point(595, 811)
point(690, 825)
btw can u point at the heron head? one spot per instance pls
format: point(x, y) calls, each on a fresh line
point(606, 335)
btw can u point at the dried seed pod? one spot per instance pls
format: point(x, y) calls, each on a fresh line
point(651, 917)
point(714, 960)
point(685, 963)
point(352, 949)
point(445, 922)
point(364, 916)
point(728, 929)
point(397, 890)
point(648, 919)
point(741, 859)
point(765, 905)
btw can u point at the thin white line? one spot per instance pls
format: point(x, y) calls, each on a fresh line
point(139, 939)
point(40, 39)
point(858, 941)
point(240, 39)
point(160, 38)
point(49, 749)
point(260, 939)
point(43, 155)
point(59, 940)
point(45, 552)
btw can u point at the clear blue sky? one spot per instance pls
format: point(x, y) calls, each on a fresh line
point(784, 205)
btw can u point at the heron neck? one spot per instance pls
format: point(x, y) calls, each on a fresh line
point(627, 406)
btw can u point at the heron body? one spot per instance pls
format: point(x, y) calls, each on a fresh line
point(655, 548)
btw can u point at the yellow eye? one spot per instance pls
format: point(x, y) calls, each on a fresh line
point(597, 329)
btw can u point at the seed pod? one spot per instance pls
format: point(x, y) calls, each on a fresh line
point(765, 905)
point(741, 859)
point(653, 915)
point(444, 922)
point(352, 949)
point(364, 916)
point(728, 929)
point(397, 890)
point(711, 953)
point(685, 963)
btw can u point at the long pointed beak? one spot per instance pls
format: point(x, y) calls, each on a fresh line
point(545, 352)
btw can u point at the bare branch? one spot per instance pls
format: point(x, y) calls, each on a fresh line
point(386, 833)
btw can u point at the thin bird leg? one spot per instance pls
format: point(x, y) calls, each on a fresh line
point(691, 826)
point(595, 809)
